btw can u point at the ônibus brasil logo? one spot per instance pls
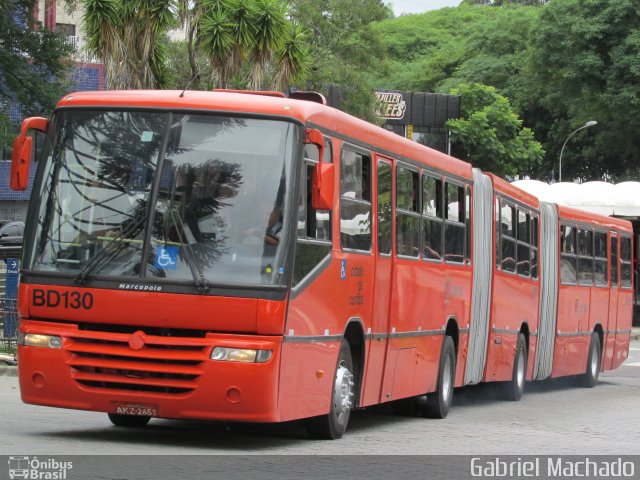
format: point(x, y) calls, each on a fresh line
point(32, 468)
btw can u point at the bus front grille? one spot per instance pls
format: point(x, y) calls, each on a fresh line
point(154, 364)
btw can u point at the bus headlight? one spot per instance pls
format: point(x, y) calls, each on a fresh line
point(247, 355)
point(37, 340)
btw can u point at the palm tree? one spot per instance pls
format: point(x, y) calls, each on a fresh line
point(242, 13)
point(217, 40)
point(269, 34)
point(292, 60)
point(126, 36)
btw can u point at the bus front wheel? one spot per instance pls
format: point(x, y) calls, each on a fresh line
point(333, 425)
point(513, 389)
point(439, 402)
point(128, 420)
point(590, 378)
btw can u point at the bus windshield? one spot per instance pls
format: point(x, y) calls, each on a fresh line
point(175, 197)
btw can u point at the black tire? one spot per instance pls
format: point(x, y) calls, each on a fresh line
point(333, 425)
point(439, 402)
point(136, 421)
point(590, 378)
point(513, 389)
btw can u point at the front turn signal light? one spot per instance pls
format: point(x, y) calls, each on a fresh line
point(246, 355)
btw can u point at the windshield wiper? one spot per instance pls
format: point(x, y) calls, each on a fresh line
point(112, 249)
point(192, 260)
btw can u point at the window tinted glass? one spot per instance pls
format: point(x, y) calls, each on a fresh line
point(431, 196)
point(355, 205)
point(385, 232)
point(455, 203)
point(614, 261)
point(407, 189)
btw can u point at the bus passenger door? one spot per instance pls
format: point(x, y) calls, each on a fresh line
point(383, 248)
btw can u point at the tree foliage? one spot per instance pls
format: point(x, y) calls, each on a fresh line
point(240, 43)
point(490, 135)
point(128, 36)
point(585, 65)
point(559, 63)
point(344, 48)
point(34, 64)
point(247, 44)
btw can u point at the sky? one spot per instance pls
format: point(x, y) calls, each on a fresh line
point(420, 6)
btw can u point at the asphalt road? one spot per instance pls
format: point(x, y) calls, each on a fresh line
point(553, 418)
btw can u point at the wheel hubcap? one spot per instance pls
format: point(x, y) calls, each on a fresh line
point(594, 362)
point(343, 392)
point(447, 379)
point(520, 373)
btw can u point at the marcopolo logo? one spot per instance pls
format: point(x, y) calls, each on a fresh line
point(32, 468)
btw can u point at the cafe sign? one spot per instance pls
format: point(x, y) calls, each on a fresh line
point(390, 105)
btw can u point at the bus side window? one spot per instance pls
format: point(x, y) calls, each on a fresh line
point(432, 221)
point(455, 221)
point(508, 237)
point(625, 262)
point(385, 224)
point(498, 219)
point(600, 273)
point(534, 247)
point(355, 201)
point(524, 244)
point(313, 226)
point(467, 224)
point(568, 266)
point(614, 261)
point(407, 213)
point(585, 257)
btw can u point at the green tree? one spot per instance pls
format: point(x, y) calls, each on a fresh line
point(129, 36)
point(248, 44)
point(585, 65)
point(34, 65)
point(490, 135)
point(344, 48)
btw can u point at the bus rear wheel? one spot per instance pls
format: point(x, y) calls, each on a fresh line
point(589, 379)
point(513, 389)
point(128, 420)
point(439, 402)
point(333, 425)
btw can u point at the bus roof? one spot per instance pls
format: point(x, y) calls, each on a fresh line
point(331, 120)
point(516, 193)
point(583, 216)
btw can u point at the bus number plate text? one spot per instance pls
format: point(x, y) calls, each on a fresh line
point(138, 409)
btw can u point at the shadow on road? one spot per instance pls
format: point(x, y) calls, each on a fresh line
point(254, 438)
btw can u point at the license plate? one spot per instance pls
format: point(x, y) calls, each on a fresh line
point(141, 409)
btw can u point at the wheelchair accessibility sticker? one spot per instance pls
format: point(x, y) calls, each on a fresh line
point(167, 258)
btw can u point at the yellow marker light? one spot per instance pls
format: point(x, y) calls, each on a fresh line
point(37, 340)
point(246, 355)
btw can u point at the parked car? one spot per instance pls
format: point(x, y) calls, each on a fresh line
point(11, 233)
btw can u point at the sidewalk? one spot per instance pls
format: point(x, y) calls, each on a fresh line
point(11, 371)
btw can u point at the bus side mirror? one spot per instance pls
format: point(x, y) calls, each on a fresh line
point(322, 186)
point(22, 151)
point(322, 181)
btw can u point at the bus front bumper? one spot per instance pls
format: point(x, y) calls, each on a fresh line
point(141, 374)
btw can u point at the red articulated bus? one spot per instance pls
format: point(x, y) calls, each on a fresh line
point(252, 257)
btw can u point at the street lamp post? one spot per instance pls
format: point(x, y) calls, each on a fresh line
point(590, 123)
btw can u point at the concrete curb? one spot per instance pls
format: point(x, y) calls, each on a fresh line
point(8, 371)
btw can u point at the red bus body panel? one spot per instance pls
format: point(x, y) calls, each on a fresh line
point(400, 308)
